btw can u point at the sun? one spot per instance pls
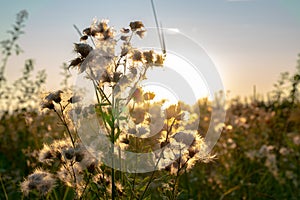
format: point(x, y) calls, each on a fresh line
point(177, 80)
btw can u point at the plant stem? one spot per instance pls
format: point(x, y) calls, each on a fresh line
point(63, 120)
point(3, 188)
point(86, 185)
point(152, 175)
point(113, 189)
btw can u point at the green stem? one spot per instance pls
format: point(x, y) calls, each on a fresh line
point(66, 193)
point(3, 188)
point(175, 181)
point(113, 187)
point(177, 176)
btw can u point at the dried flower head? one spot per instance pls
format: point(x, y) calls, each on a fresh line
point(148, 56)
point(54, 96)
point(84, 38)
point(159, 60)
point(47, 104)
point(141, 33)
point(125, 30)
point(74, 99)
point(76, 62)
point(138, 95)
point(136, 55)
point(40, 180)
point(46, 155)
point(136, 25)
point(100, 30)
point(149, 96)
point(138, 115)
point(173, 111)
point(83, 49)
point(125, 38)
point(87, 31)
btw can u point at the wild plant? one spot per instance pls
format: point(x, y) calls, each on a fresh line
point(123, 144)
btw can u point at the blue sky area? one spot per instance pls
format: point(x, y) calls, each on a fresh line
point(250, 41)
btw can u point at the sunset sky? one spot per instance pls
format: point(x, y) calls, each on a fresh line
point(250, 41)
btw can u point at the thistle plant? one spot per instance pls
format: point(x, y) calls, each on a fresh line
point(92, 160)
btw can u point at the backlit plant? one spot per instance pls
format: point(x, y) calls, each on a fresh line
point(128, 118)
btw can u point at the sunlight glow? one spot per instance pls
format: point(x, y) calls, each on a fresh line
point(178, 80)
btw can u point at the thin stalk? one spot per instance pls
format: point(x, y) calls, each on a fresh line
point(73, 173)
point(96, 84)
point(187, 183)
point(177, 176)
point(85, 187)
point(66, 193)
point(113, 187)
point(169, 129)
point(80, 34)
point(3, 188)
point(175, 181)
point(156, 22)
point(151, 178)
point(153, 172)
point(55, 195)
point(63, 120)
point(135, 85)
point(113, 194)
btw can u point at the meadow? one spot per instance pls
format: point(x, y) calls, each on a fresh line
point(42, 156)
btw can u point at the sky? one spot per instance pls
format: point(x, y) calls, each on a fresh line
point(250, 42)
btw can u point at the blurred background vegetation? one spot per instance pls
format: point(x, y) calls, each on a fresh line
point(258, 153)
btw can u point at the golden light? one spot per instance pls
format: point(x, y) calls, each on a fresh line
point(178, 80)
